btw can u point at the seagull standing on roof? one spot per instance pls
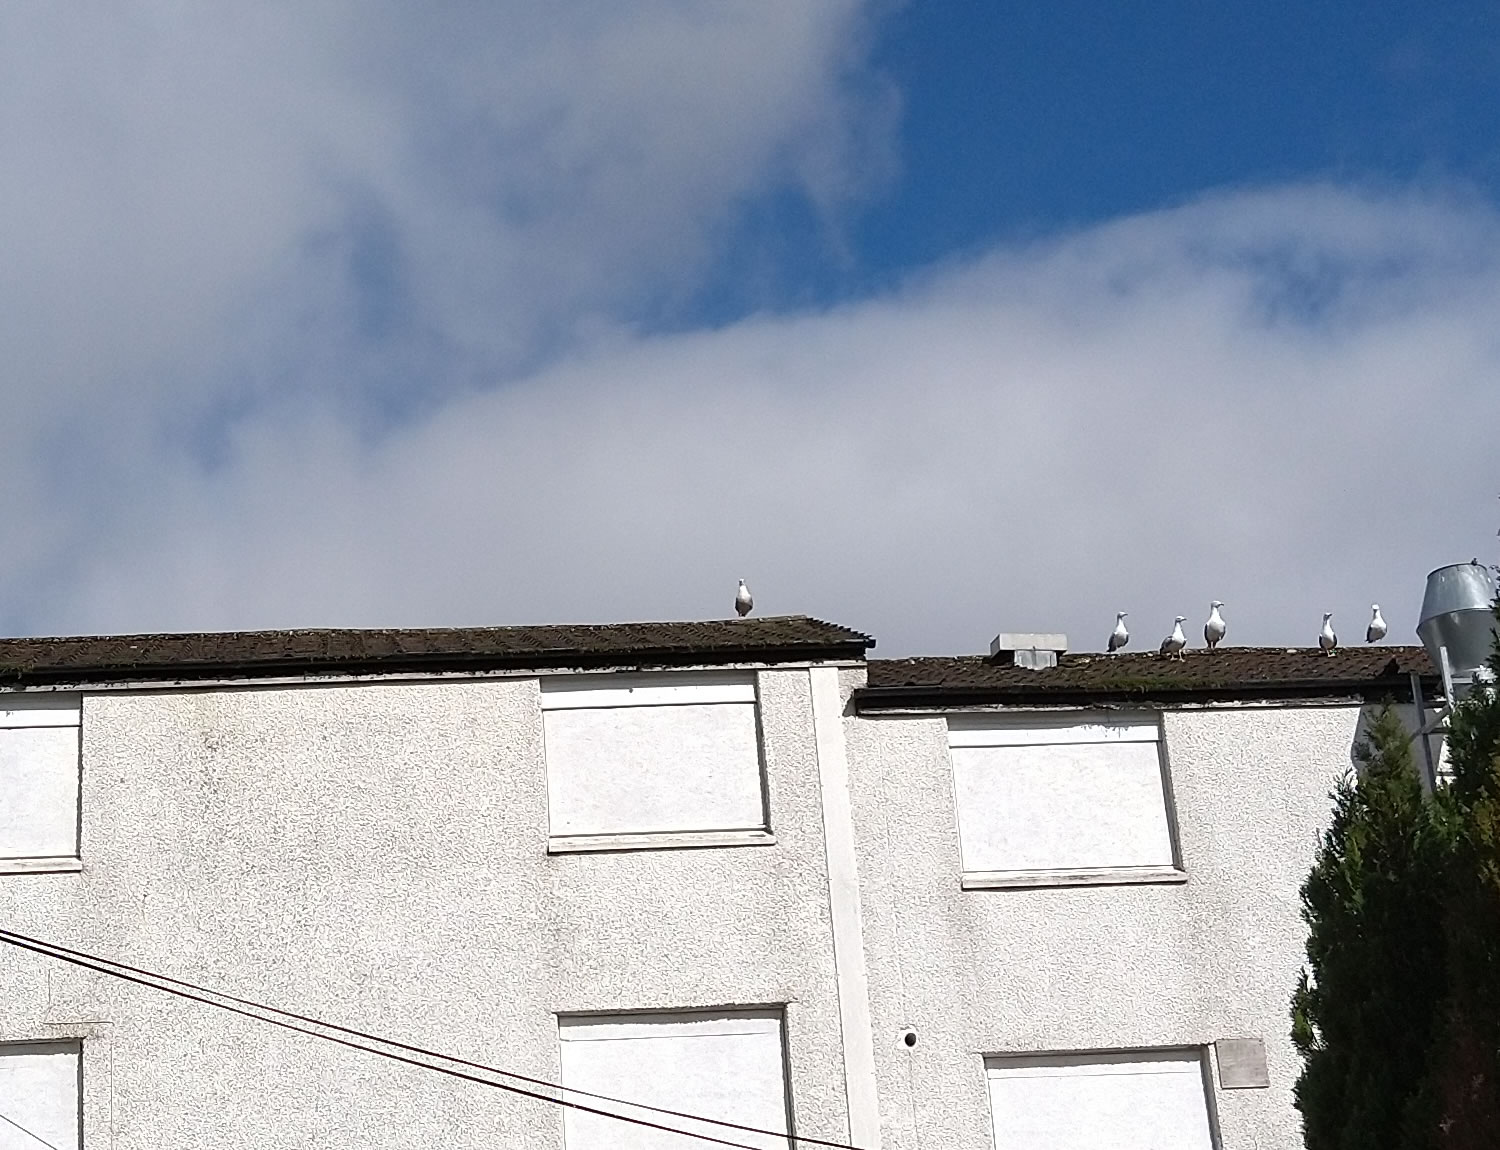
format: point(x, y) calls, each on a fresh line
point(1326, 638)
point(1377, 628)
point(1213, 630)
point(743, 600)
point(1120, 635)
point(1173, 644)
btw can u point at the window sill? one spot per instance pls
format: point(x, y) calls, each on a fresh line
point(1102, 876)
point(41, 866)
point(661, 841)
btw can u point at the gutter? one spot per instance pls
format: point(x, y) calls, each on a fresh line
point(877, 700)
point(426, 664)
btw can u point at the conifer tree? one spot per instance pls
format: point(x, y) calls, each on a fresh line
point(1463, 1080)
point(1365, 1013)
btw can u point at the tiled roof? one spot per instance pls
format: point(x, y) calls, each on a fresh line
point(1228, 673)
point(265, 654)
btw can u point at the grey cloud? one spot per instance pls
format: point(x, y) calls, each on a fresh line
point(1034, 440)
point(378, 204)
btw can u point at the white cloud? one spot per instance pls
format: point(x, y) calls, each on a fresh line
point(379, 203)
point(1143, 417)
point(320, 315)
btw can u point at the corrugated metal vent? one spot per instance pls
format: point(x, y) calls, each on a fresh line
point(1458, 622)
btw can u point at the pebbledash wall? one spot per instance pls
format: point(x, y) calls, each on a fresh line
point(377, 853)
point(1177, 965)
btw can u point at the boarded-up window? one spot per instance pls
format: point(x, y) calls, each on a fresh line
point(1047, 798)
point(39, 1095)
point(39, 773)
point(724, 1066)
point(652, 755)
point(1153, 1100)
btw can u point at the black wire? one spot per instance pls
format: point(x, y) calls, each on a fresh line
point(64, 952)
point(101, 965)
point(195, 993)
point(28, 1133)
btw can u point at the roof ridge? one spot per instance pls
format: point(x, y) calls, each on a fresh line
point(124, 636)
point(374, 650)
point(1190, 652)
point(1228, 673)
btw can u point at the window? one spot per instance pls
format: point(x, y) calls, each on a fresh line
point(652, 761)
point(39, 1098)
point(1151, 1100)
point(721, 1065)
point(1046, 801)
point(39, 776)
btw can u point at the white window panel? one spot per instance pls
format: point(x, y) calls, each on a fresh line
point(724, 1066)
point(39, 777)
point(643, 758)
point(1153, 1100)
point(643, 691)
point(48, 710)
point(1046, 801)
point(1048, 731)
point(39, 1095)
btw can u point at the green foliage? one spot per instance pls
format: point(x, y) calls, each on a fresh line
point(1398, 1016)
point(1463, 1082)
point(1365, 1013)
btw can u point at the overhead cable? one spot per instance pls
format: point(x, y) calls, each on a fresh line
point(329, 1031)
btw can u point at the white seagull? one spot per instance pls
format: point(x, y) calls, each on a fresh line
point(1326, 638)
point(1213, 630)
point(1377, 628)
point(743, 600)
point(1173, 644)
point(1120, 635)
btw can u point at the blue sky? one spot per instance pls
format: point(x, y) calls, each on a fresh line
point(1021, 118)
point(1017, 120)
point(935, 319)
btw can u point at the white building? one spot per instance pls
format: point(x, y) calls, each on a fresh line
point(727, 869)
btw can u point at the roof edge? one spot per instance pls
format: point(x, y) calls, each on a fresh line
point(738, 643)
point(872, 700)
point(250, 671)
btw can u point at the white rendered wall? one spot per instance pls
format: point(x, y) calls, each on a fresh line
point(994, 972)
point(377, 855)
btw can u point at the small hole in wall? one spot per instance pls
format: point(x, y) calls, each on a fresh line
point(909, 1038)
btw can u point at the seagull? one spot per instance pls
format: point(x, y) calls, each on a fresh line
point(1376, 630)
point(1173, 644)
point(1213, 630)
point(1326, 638)
point(1120, 635)
point(743, 600)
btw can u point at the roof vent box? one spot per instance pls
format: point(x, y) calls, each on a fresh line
point(1027, 649)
